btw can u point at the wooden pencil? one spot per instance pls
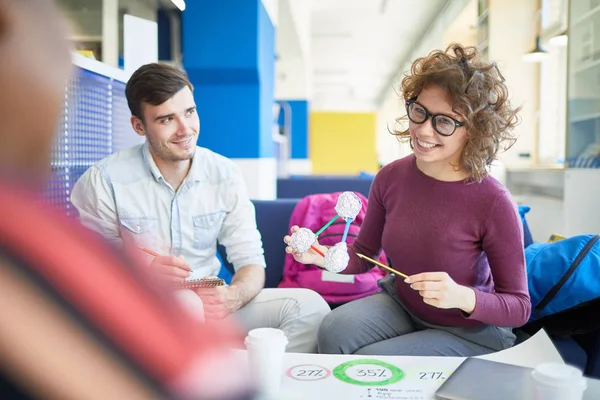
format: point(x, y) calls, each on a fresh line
point(381, 265)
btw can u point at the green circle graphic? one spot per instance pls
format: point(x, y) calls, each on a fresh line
point(340, 373)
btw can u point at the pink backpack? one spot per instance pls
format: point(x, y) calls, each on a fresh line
point(313, 212)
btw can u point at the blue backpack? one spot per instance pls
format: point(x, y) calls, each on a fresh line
point(564, 285)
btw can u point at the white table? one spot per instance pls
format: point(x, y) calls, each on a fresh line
point(348, 377)
point(593, 390)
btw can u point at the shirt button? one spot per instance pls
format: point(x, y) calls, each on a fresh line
point(137, 228)
point(211, 223)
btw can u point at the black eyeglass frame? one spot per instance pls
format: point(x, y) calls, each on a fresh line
point(457, 124)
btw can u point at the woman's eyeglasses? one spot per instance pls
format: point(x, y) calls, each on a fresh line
point(442, 124)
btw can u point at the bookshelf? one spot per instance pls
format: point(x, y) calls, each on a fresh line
point(583, 108)
point(582, 167)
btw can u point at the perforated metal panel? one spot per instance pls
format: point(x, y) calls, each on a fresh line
point(123, 135)
point(94, 124)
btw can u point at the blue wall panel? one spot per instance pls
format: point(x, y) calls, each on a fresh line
point(300, 114)
point(229, 56)
point(221, 34)
point(300, 134)
point(266, 58)
point(164, 34)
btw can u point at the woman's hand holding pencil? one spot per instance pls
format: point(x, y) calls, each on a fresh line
point(436, 288)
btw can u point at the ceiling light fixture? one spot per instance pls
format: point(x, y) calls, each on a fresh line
point(559, 40)
point(537, 54)
point(179, 4)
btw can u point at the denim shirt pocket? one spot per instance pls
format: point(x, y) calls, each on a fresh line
point(141, 229)
point(207, 228)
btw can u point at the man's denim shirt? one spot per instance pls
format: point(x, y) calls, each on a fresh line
point(125, 196)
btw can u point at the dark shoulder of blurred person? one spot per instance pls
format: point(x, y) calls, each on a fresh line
point(77, 319)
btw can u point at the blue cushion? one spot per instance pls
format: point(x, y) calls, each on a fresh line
point(527, 237)
point(225, 273)
point(571, 352)
point(272, 219)
point(299, 188)
point(590, 342)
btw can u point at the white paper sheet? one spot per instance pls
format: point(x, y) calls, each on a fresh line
point(328, 377)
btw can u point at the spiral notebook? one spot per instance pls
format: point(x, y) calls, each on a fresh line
point(202, 283)
point(192, 283)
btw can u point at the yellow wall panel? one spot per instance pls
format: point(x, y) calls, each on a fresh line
point(343, 143)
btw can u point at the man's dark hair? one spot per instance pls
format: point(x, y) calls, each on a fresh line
point(154, 84)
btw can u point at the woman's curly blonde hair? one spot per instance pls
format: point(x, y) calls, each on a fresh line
point(477, 92)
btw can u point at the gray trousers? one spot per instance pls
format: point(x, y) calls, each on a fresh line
point(380, 325)
point(297, 312)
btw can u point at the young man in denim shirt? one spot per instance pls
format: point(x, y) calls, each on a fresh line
point(178, 199)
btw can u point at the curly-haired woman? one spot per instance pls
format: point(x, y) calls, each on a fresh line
point(441, 219)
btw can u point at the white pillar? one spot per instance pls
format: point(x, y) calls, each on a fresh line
point(260, 175)
point(506, 47)
point(293, 69)
point(272, 7)
point(110, 32)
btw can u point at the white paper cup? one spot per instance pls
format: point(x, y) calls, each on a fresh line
point(554, 381)
point(266, 349)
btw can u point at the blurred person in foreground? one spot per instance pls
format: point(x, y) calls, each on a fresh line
point(78, 320)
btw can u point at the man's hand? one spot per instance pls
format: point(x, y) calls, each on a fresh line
point(439, 290)
point(170, 269)
point(219, 302)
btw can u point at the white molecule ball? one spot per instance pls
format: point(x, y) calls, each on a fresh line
point(337, 258)
point(348, 205)
point(302, 239)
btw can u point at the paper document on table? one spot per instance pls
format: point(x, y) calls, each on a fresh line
point(534, 351)
point(349, 377)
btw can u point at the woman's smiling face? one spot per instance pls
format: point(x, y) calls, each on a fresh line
point(429, 146)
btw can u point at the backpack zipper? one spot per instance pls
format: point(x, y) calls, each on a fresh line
point(554, 291)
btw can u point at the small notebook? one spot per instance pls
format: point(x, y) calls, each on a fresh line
point(202, 283)
point(478, 379)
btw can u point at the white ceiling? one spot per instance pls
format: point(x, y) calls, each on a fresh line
point(85, 16)
point(357, 46)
